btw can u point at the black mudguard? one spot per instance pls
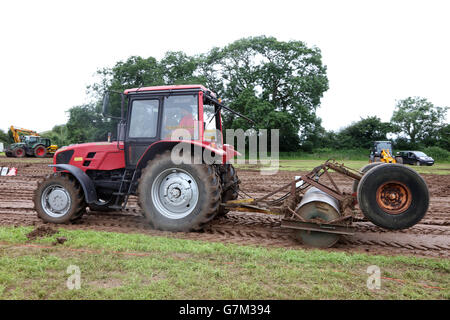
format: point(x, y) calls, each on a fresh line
point(88, 186)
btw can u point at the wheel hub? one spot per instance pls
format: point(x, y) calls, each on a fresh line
point(393, 197)
point(56, 201)
point(175, 193)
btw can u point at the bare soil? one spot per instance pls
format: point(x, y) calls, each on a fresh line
point(430, 237)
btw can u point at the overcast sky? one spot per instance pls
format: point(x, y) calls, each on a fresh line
point(376, 52)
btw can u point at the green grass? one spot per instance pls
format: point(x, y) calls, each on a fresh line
point(135, 266)
point(308, 165)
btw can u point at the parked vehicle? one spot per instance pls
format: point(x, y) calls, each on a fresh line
point(381, 152)
point(417, 158)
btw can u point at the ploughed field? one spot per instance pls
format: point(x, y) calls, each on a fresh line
point(431, 237)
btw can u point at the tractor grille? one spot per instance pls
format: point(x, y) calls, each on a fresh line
point(64, 157)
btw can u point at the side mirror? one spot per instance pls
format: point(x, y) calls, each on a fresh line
point(105, 103)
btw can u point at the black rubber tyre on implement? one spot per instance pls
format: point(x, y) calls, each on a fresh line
point(178, 197)
point(59, 199)
point(364, 169)
point(393, 196)
point(19, 152)
point(230, 186)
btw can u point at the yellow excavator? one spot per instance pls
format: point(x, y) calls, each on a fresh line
point(381, 152)
point(28, 142)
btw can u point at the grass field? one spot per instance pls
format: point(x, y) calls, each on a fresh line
point(133, 266)
point(307, 165)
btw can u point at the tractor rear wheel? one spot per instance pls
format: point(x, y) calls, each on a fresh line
point(178, 197)
point(230, 186)
point(364, 169)
point(59, 199)
point(393, 196)
point(40, 151)
point(19, 152)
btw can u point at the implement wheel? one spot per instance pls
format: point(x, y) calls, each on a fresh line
point(364, 169)
point(178, 197)
point(393, 196)
point(325, 212)
point(59, 199)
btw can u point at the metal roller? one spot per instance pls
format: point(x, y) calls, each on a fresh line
point(316, 204)
point(319, 197)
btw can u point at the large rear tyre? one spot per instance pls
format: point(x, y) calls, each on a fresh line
point(364, 169)
point(178, 197)
point(230, 186)
point(40, 151)
point(19, 152)
point(393, 196)
point(59, 199)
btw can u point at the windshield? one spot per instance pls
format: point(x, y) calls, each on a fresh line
point(384, 145)
point(180, 117)
point(420, 154)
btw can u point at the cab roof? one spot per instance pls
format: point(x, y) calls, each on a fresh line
point(167, 88)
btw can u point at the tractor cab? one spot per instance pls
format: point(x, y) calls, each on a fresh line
point(169, 114)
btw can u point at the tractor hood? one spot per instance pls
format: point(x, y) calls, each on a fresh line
point(92, 155)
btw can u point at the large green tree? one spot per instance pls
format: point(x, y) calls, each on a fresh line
point(419, 120)
point(278, 83)
point(363, 133)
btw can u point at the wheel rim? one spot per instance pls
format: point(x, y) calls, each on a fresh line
point(19, 152)
point(40, 151)
point(56, 201)
point(175, 193)
point(394, 197)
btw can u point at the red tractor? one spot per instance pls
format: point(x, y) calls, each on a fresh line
point(174, 196)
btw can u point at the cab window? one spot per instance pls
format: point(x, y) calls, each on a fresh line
point(144, 118)
point(180, 112)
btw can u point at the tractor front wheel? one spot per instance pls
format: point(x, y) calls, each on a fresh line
point(393, 196)
point(59, 199)
point(19, 152)
point(178, 197)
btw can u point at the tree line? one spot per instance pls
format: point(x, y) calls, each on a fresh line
point(278, 84)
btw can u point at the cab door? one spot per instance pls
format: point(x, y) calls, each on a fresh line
point(143, 127)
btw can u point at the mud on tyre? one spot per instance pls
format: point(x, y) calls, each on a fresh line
point(178, 197)
point(59, 199)
point(393, 196)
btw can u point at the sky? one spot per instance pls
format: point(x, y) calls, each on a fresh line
point(376, 52)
